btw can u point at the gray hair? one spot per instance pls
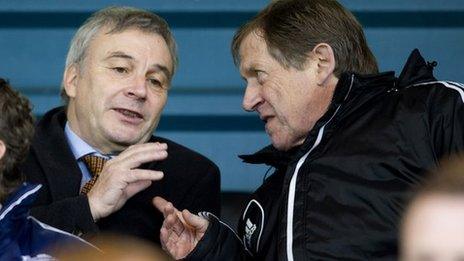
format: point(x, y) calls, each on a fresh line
point(117, 19)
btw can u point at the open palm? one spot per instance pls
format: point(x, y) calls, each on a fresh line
point(181, 231)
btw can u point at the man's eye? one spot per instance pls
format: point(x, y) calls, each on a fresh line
point(120, 69)
point(154, 82)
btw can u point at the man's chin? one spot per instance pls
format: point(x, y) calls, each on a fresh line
point(279, 145)
point(124, 141)
point(282, 144)
point(277, 139)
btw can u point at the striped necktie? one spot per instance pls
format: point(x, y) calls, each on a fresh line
point(95, 165)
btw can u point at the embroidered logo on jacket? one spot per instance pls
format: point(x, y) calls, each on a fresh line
point(251, 226)
point(249, 230)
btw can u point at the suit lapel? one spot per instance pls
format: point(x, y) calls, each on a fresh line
point(55, 156)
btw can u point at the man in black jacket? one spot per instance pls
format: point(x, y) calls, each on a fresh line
point(348, 142)
point(96, 158)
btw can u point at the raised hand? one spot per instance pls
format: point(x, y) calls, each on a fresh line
point(181, 231)
point(120, 178)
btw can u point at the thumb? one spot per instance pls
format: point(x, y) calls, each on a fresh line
point(195, 221)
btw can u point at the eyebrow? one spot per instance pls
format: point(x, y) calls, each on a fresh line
point(119, 55)
point(156, 66)
point(248, 69)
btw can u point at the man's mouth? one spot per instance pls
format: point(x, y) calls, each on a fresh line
point(265, 118)
point(129, 113)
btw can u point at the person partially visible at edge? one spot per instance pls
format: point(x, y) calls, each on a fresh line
point(96, 157)
point(22, 237)
point(432, 227)
point(348, 143)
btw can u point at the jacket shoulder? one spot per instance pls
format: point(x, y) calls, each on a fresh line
point(437, 92)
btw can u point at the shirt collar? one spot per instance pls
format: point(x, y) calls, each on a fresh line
point(78, 146)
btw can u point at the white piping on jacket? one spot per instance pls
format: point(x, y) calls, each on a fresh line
point(291, 192)
point(452, 85)
point(19, 200)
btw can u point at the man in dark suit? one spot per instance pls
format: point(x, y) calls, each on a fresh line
point(96, 157)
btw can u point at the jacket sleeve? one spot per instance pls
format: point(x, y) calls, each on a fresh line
point(71, 214)
point(447, 120)
point(220, 243)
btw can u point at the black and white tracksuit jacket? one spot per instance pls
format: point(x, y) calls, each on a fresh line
point(340, 195)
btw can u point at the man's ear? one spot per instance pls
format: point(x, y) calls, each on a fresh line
point(2, 149)
point(325, 59)
point(70, 80)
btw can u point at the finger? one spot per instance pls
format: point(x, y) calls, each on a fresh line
point(184, 222)
point(195, 221)
point(138, 154)
point(179, 227)
point(164, 206)
point(143, 147)
point(140, 157)
point(169, 224)
point(143, 174)
point(174, 222)
point(159, 203)
point(137, 186)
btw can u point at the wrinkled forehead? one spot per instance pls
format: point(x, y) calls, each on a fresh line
point(252, 47)
point(109, 39)
point(133, 42)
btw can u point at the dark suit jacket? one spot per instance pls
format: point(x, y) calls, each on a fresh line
point(190, 181)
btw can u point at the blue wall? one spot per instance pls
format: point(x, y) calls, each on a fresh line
point(203, 109)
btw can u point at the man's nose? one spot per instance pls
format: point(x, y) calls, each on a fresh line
point(137, 87)
point(252, 98)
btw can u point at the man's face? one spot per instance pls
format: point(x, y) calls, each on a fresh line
point(288, 100)
point(433, 229)
point(119, 91)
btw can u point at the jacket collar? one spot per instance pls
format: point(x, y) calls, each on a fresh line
point(416, 70)
point(55, 156)
point(270, 156)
